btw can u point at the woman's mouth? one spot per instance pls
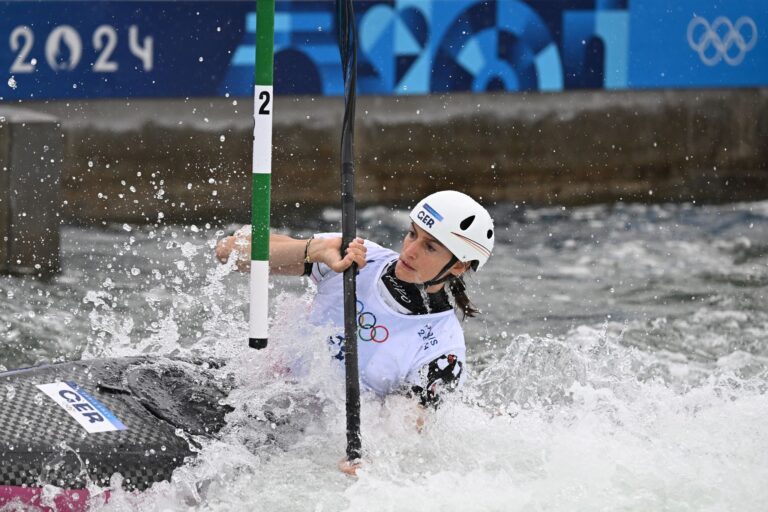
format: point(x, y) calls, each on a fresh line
point(407, 266)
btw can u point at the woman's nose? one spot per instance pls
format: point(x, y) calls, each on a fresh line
point(410, 250)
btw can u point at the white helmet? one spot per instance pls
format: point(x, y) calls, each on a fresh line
point(459, 222)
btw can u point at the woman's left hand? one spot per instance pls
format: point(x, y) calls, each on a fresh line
point(328, 251)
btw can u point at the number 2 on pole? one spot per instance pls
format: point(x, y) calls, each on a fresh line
point(264, 95)
point(262, 129)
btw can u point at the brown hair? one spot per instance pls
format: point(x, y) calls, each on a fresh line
point(459, 291)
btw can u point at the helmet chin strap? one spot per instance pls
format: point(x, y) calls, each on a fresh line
point(440, 280)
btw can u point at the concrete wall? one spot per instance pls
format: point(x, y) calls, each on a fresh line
point(30, 172)
point(189, 160)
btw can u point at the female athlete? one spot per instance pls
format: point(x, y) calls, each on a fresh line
point(409, 338)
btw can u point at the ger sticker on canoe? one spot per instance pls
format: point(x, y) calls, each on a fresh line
point(91, 414)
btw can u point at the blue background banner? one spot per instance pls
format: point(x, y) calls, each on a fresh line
point(691, 43)
point(90, 49)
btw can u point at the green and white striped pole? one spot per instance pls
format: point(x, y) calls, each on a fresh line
point(262, 172)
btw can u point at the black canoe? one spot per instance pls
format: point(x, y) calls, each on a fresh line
point(73, 423)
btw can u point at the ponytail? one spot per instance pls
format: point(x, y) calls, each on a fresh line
point(459, 291)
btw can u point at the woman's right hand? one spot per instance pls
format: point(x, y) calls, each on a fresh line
point(240, 244)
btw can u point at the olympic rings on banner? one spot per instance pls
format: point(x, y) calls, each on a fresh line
point(742, 35)
point(368, 330)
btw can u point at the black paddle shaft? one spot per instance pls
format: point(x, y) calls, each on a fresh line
point(348, 49)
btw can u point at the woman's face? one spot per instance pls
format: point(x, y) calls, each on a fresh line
point(422, 257)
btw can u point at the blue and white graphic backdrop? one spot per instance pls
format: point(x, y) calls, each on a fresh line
point(90, 49)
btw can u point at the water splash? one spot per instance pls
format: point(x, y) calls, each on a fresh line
point(633, 378)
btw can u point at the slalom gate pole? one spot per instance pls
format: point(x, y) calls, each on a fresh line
point(347, 33)
point(262, 173)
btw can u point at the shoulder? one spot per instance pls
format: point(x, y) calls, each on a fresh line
point(377, 252)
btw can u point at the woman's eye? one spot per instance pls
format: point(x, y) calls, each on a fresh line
point(411, 233)
point(431, 248)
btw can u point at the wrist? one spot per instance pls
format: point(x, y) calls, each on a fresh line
point(307, 259)
point(312, 250)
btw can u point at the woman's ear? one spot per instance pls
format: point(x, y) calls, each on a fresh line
point(459, 268)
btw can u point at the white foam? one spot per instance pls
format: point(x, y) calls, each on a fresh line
point(663, 409)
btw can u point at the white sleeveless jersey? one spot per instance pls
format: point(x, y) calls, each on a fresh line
point(392, 347)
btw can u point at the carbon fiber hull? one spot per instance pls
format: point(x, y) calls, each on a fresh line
point(148, 406)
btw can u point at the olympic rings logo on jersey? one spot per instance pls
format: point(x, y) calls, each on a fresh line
point(702, 37)
point(367, 328)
